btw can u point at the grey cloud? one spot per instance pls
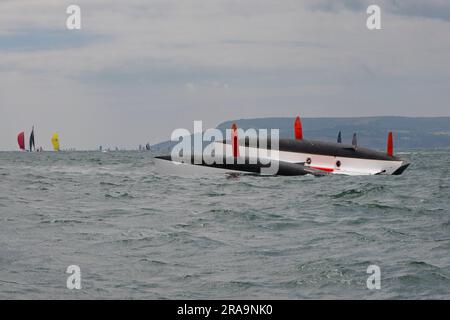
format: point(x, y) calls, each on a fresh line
point(433, 9)
point(47, 39)
point(337, 5)
point(171, 62)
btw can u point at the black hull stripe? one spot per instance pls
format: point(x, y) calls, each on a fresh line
point(284, 168)
point(324, 149)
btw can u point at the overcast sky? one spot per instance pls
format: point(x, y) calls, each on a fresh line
point(139, 69)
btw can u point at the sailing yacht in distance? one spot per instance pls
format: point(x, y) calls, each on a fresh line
point(32, 143)
point(55, 142)
point(21, 140)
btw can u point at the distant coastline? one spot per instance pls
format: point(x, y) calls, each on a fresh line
point(409, 132)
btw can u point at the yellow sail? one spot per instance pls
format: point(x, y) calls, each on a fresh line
point(55, 142)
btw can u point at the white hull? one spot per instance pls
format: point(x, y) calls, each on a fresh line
point(348, 166)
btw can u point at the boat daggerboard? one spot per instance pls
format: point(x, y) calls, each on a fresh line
point(21, 140)
point(55, 142)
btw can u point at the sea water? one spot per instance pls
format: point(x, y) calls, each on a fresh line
point(136, 233)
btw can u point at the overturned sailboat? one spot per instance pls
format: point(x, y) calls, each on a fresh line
point(289, 157)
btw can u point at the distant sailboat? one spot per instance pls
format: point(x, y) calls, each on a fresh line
point(55, 142)
point(32, 144)
point(21, 140)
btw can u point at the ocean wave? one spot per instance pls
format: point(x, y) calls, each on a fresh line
point(138, 233)
point(119, 195)
point(359, 192)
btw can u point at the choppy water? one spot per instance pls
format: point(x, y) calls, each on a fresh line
point(137, 234)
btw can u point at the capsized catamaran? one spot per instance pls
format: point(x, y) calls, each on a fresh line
point(294, 157)
point(55, 142)
point(21, 140)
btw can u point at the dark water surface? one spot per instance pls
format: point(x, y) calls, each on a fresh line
point(138, 234)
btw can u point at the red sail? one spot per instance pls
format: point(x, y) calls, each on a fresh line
point(21, 140)
point(390, 145)
point(298, 129)
point(234, 140)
